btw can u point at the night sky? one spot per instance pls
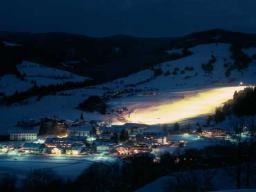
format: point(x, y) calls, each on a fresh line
point(131, 17)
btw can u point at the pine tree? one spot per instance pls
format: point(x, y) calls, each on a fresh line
point(82, 116)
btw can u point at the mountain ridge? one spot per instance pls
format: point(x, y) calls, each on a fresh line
point(93, 56)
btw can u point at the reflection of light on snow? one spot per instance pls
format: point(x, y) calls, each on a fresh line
point(40, 141)
point(191, 137)
point(13, 152)
point(102, 157)
point(204, 102)
point(90, 139)
point(62, 136)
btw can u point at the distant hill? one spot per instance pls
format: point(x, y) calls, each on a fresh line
point(104, 59)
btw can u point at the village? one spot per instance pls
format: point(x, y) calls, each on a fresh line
point(52, 136)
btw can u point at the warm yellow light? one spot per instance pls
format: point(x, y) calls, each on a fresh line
point(62, 136)
point(75, 152)
point(56, 151)
point(202, 103)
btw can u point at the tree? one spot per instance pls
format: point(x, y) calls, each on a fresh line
point(192, 181)
point(93, 131)
point(176, 127)
point(199, 128)
point(99, 177)
point(42, 180)
point(124, 135)
point(93, 104)
point(82, 116)
point(115, 137)
point(249, 149)
point(237, 126)
point(209, 66)
point(139, 170)
point(8, 183)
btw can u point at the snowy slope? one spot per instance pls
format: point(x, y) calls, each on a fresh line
point(10, 83)
point(221, 181)
point(169, 86)
point(62, 105)
point(69, 168)
point(35, 74)
point(186, 78)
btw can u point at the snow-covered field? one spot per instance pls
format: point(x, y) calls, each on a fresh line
point(43, 75)
point(62, 105)
point(69, 167)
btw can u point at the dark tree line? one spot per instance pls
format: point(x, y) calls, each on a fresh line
point(94, 104)
point(242, 104)
point(241, 60)
point(10, 57)
point(208, 67)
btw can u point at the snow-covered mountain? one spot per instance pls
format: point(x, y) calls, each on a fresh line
point(204, 65)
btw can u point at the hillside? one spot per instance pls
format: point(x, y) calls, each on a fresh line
point(191, 64)
point(31, 75)
point(83, 55)
point(93, 57)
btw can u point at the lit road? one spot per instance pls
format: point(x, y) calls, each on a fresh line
point(203, 102)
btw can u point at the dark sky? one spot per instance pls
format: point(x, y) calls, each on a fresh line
point(132, 17)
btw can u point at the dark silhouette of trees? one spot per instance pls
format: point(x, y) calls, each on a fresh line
point(192, 181)
point(44, 90)
point(43, 180)
point(124, 135)
point(138, 170)
point(209, 66)
point(176, 127)
point(8, 183)
point(242, 104)
point(94, 104)
point(99, 177)
point(241, 60)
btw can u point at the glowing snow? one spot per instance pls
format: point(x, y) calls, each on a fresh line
point(202, 103)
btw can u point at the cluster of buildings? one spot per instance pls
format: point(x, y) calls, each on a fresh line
point(80, 137)
point(52, 136)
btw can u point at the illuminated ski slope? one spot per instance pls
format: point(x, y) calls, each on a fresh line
point(202, 103)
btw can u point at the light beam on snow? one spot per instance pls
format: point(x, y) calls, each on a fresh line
point(202, 103)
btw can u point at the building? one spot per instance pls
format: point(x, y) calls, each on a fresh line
point(53, 126)
point(103, 147)
point(155, 137)
point(214, 133)
point(80, 131)
point(75, 149)
point(23, 135)
point(34, 148)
